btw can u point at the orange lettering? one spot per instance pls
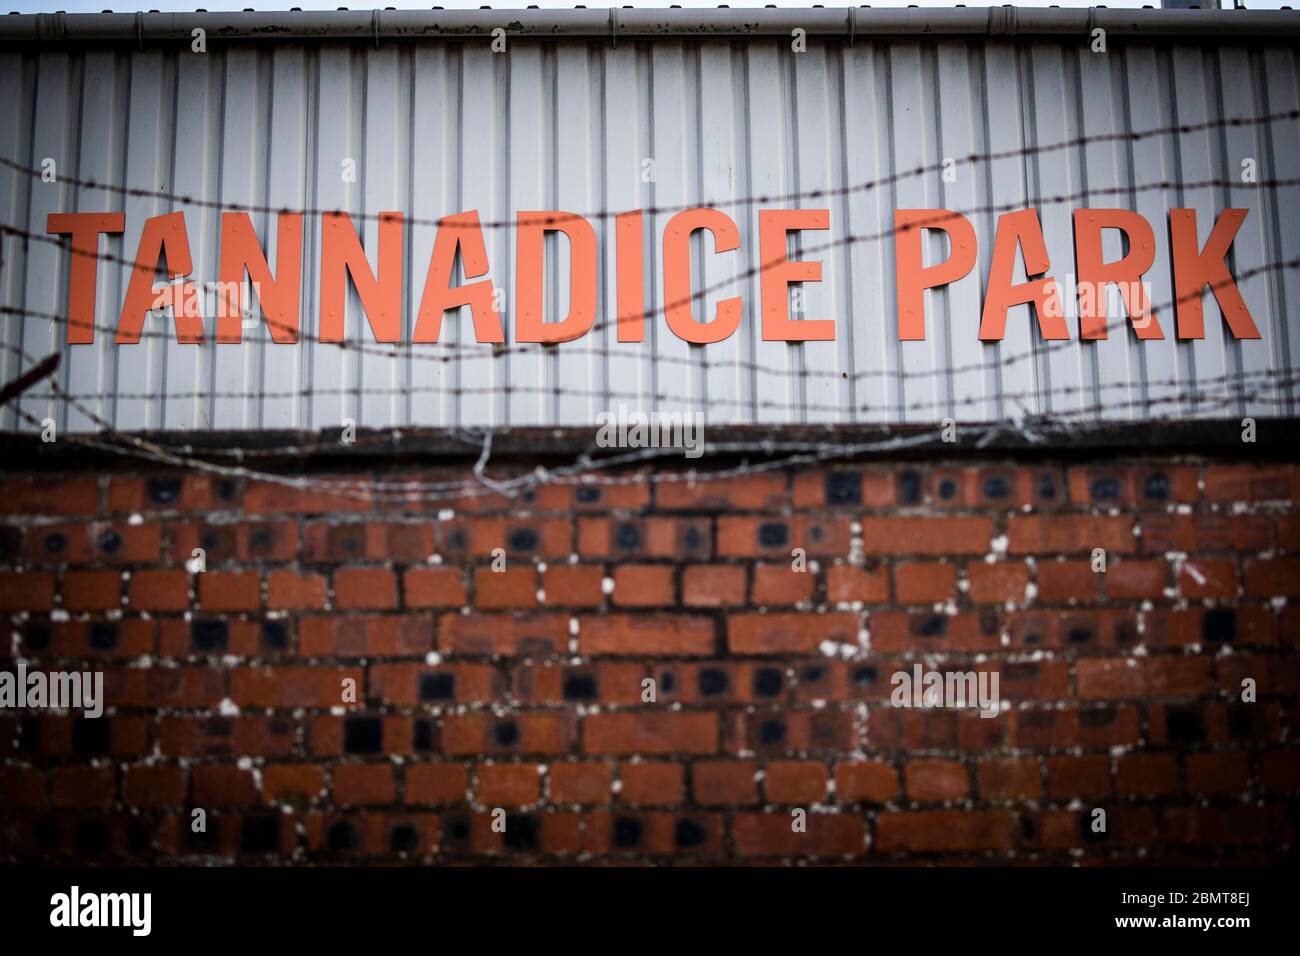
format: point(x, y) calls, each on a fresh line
point(461, 232)
point(85, 229)
point(779, 272)
point(530, 255)
point(677, 276)
point(280, 298)
point(913, 276)
point(162, 237)
point(1194, 270)
point(1019, 229)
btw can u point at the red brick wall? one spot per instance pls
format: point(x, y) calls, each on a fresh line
point(521, 690)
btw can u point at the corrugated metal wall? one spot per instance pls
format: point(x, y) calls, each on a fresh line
point(439, 128)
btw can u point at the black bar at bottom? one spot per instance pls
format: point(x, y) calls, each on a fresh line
point(676, 906)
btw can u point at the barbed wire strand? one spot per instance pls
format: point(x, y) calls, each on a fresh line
point(415, 491)
point(832, 192)
point(1038, 351)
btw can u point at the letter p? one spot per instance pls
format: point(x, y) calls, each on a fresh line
point(913, 276)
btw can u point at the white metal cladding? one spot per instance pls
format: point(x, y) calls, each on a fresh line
point(440, 127)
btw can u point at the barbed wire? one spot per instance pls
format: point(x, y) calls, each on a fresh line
point(598, 215)
point(1040, 350)
point(584, 469)
point(463, 353)
point(1223, 390)
point(460, 391)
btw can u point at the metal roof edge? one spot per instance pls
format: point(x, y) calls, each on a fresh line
point(853, 23)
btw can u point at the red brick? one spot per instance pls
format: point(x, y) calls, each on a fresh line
point(595, 496)
point(1132, 579)
point(289, 590)
point(724, 782)
point(964, 631)
point(509, 784)
point(436, 784)
point(573, 585)
point(533, 634)
point(512, 589)
point(379, 636)
point(365, 588)
point(159, 590)
point(364, 784)
point(230, 591)
point(224, 787)
point(935, 780)
point(292, 686)
point(846, 583)
point(1251, 483)
point(947, 831)
point(1078, 777)
point(776, 537)
point(643, 585)
point(1227, 826)
point(326, 495)
point(1065, 580)
point(780, 584)
point(1010, 779)
point(789, 633)
point(795, 781)
point(1101, 486)
point(1288, 531)
point(1069, 534)
point(434, 587)
point(1232, 532)
point(651, 783)
point(49, 495)
point(870, 781)
point(149, 786)
point(840, 488)
point(26, 591)
point(585, 783)
point(650, 733)
point(1142, 774)
point(1207, 577)
point(101, 590)
point(683, 538)
point(522, 538)
point(163, 687)
point(1279, 771)
point(926, 536)
point(760, 492)
point(715, 585)
point(21, 789)
point(645, 634)
point(400, 683)
point(1275, 577)
point(537, 732)
point(924, 582)
point(998, 582)
point(292, 783)
point(773, 834)
point(1218, 774)
point(1112, 678)
point(83, 787)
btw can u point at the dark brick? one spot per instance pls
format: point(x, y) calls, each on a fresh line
point(210, 636)
point(363, 735)
point(1219, 626)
